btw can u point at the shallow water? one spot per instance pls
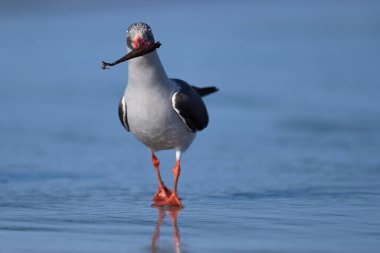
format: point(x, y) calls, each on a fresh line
point(289, 163)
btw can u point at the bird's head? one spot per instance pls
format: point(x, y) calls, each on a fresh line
point(140, 41)
point(139, 35)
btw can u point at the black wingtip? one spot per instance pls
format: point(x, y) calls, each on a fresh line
point(205, 90)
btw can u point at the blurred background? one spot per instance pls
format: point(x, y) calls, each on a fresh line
point(289, 162)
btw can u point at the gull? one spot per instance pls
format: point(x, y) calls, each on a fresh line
point(161, 112)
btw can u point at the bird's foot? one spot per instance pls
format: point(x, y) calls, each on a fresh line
point(172, 201)
point(162, 194)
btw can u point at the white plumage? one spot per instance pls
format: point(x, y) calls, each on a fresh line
point(151, 116)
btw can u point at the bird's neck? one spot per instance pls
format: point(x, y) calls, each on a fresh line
point(146, 70)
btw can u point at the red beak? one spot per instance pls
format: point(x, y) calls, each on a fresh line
point(138, 41)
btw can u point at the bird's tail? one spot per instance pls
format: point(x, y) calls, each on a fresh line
point(204, 91)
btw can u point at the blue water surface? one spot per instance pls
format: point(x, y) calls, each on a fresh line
point(290, 161)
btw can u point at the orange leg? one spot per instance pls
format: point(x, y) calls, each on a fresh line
point(173, 200)
point(163, 192)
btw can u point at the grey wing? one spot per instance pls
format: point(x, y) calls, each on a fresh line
point(123, 113)
point(189, 106)
point(201, 91)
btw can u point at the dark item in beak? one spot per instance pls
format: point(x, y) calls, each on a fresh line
point(145, 49)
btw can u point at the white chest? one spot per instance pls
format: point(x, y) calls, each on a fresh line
point(151, 117)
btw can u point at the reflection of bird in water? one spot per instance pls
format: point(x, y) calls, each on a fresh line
point(173, 213)
point(160, 112)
